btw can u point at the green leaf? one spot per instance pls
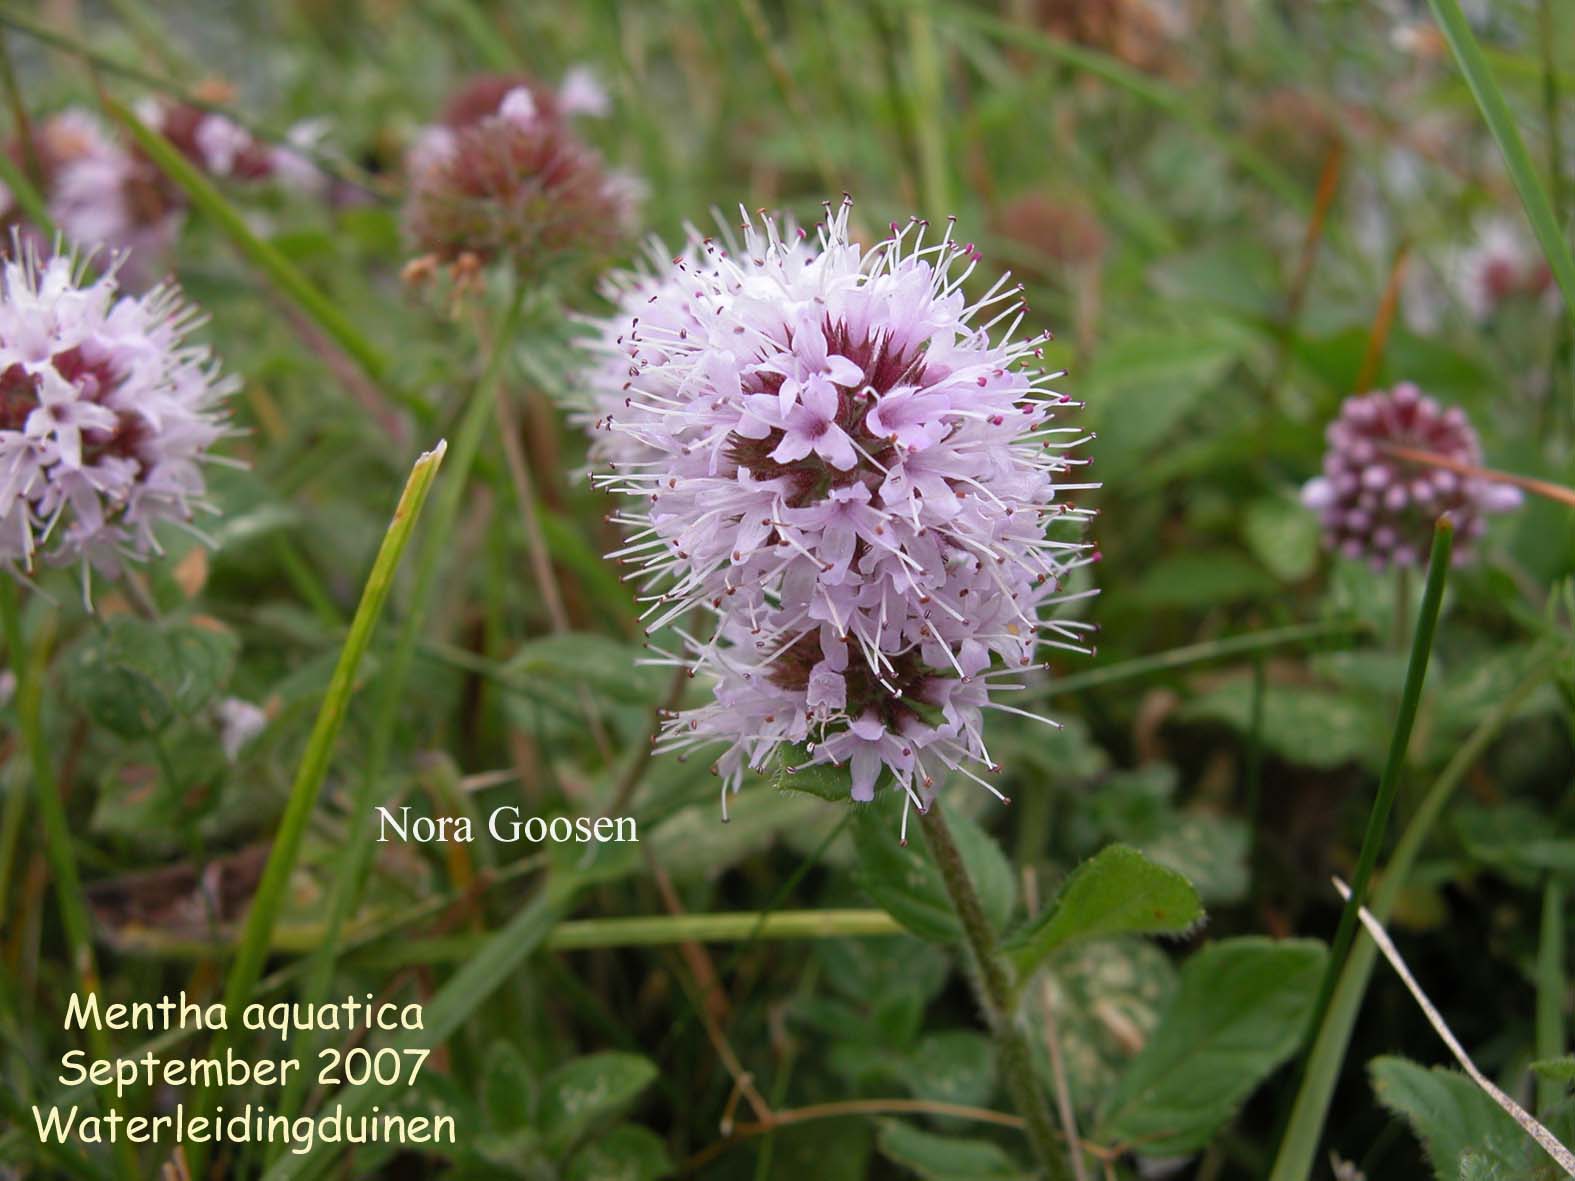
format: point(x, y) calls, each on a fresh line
point(626, 1153)
point(943, 1158)
point(1448, 1112)
point(1118, 891)
point(605, 665)
point(903, 879)
point(1207, 849)
point(578, 1094)
point(1141, 386)
point(795, 773)
point(508, 1091)
point(1307, 726)
point(1107, 996)
point(827, 1150)
point(1560, 1070)
point(135, 677)
point(1514, 836)
point(1202, 579)
point(695, 843)
point(1239, 1012)
point(1283, 536)
point(952, 1067)
point(1480, 1168)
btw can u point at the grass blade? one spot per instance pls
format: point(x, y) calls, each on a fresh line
point(345, 891)
point(1389, 781)
point(26, 196)
point(281, 271)
point(1299, 1146)
point(1200, 653)
point(1550, 990)
point(1495, 111)
point(264, 910)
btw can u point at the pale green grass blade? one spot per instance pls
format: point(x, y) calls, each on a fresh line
point(1299, 1146)
point(319, 749)
point(281, 271)
point(345, 891)
point(269, 897)
point(1330, 634)
point(1539, 209)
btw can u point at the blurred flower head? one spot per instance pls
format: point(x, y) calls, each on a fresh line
point(1375, 504)
point(106, 415)
point(239, 721)
point(1502, 265)
point(99, 195)
point(1142, 33)
point(581, 93)
point(504, 175)
point(847, 469)
point(1058, 232)
point(224, 149)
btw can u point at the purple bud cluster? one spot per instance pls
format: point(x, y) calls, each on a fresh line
point(1377, 505)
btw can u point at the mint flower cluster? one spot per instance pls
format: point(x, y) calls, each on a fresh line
point(106, 415)
point(847, 491)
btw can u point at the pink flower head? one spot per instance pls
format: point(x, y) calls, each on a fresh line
point(106, 415)
point(1381, 506)
point(851, 472)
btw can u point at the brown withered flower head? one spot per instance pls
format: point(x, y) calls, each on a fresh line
point(1054, 232)
point(1139, 32)
point(504, 175)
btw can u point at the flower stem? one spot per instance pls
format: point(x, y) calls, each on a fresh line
point(998, 997)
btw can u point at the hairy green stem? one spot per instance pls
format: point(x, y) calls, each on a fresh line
point(999, 998)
